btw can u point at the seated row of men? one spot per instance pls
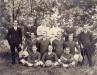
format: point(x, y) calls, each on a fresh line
point(49, 58)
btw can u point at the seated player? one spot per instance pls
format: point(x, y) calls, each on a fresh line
point(50, 58)
point(34, 57)
point(58, 44)
point(67, 59)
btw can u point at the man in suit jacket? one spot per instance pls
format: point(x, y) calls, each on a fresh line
point(14, 37)
point(86, 42)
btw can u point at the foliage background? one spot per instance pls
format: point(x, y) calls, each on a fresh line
point(50, 10)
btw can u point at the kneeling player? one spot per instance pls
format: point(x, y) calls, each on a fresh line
point(50, 58)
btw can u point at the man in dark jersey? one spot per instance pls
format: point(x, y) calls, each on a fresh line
point(58, 44)
point(43, 43)
point(69, 29)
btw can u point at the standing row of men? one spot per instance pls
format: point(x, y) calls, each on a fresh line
point(51, 46)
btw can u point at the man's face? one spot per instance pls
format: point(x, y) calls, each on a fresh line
point(59, 35)
point(15, 23)
point(44, 34)
point(31, 23)
point(70, 38)
point(50, 48)
point(32, 35)
point(56, 24)
point(70, 23)
point(85, 27)
point(67, 50)
point(44, 23)
point(34, 48)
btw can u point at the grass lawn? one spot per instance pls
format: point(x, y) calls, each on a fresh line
point(6, 68)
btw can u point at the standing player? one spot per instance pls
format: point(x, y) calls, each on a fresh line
point(42, 28)
point(70, 29)
point(53, 32)
point(43, 43)
point(29, 42)
point(30, 28)
point(58, 44)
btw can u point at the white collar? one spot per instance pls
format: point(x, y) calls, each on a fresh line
point(44, 39)
point(15, 28)
point(49, 53)
point(85, 31)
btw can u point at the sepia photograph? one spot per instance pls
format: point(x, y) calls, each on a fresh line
point(48, 37)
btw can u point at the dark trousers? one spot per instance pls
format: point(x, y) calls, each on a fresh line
point(14, 46)
point(88, 54)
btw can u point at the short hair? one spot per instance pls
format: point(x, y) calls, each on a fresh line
point(34, 46)
point(30, 19)
point(71, 20)
point(85, 25)
point(70, 35)
point(50, 46)
point(59, 32)
point(66, 47)
point(44, 32)
point(43, 20)
point(33, 33)
point(15, 20)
